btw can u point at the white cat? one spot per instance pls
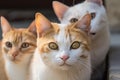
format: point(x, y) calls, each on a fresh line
point(99, 25)
point(63, 51)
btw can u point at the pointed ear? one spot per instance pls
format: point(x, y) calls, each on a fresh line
point(84, 23)
point(32, 28)
point(99, 2)
point(5, 26)
point(42, 24)
point(59, 9)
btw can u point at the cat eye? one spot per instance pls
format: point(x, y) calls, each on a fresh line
point(75, 45)
point(92, 33)
point(53, 46)
point(25, 45)
point(93, 15)
point(8, 44)
point(73, 20)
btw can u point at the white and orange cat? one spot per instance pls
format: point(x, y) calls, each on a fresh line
point(99, 25)
point(18, 46)
point(63, 51)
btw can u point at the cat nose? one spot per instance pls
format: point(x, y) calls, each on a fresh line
point(15, 54)
point(64, 57)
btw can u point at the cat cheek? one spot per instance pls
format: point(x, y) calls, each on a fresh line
point(9, 56)
point(5, 50)
point(44, 57)
point(72, 60)
point(58, 61)
point(44, 50)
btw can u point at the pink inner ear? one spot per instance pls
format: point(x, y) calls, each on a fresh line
point(84, 23)
point(32, 27)
point(99, 2)
point(59, 9)
point(42, 23)
point(5, 25)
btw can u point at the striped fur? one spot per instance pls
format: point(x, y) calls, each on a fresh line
point(47, 64)
point(17, 57)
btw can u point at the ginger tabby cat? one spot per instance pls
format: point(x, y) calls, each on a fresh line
point(18, 45)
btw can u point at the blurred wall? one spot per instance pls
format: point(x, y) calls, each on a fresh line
point(113, 10)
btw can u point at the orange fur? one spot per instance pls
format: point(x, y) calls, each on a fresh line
point(63, 51)
point(72, 30)
point(3, 75)
point(17, 37)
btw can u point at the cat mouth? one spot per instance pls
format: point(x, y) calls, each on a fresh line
point(65, 64)
point(14, 60)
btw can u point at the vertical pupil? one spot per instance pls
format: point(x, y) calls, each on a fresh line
point(53, 45)
point(24, 45)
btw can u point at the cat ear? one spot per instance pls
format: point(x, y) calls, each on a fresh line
point(99, 2)
point(59, 9)
point(84, 23)
point(32, 28)
point(5, 26)
point(42, 23)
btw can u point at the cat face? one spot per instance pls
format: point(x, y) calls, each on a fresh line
point(18, 45)
point(71, 14)
point(63, 46)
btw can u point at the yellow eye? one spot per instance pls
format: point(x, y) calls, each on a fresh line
point(53, 46)
point(25, 45)
point(75, 45)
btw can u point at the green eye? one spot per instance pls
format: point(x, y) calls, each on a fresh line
point(8, 44)
point(53, 46)
point(25, 45)
point(75, 45)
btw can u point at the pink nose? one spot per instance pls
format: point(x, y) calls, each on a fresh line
point(64, 57)
point(14, 55)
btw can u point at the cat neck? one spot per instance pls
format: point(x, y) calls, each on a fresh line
point(102, 42)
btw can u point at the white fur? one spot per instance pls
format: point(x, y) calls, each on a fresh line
point(17, 71)
point(50, 68)
point(99, 25)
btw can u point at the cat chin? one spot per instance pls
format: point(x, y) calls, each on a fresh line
point(62, 67)
point(65, 67)
point(15, 60)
